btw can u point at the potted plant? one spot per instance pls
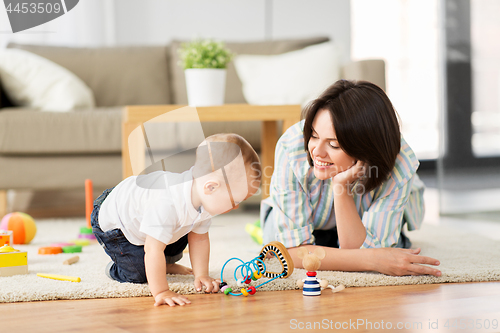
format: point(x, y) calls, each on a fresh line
point(204, 63)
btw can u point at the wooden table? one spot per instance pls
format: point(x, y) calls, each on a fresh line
point(135, 116)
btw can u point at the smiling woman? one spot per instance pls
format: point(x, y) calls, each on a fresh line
point(365, 128)
point(344, 177)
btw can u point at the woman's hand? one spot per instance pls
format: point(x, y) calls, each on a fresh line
point(171, 298)
point(399, 262)
point(211, 285)
point(349, 176)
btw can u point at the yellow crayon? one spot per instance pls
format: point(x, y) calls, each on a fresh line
point(59, 277)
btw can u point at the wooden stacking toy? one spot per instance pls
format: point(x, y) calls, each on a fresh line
point(86, 232)
point(12, 261)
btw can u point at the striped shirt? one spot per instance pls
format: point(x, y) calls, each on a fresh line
point(302, 203)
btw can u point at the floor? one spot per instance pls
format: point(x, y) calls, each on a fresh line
point(471, 307)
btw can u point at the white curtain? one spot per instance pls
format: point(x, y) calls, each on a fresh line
point(90, 23)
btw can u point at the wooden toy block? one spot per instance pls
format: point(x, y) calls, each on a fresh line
point(6, 237)
point(12, 261)
point(71, 260)
point(14, 270)
point(81, 242)
point(50, 250)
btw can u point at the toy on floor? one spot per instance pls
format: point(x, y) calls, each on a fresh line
point(71, 260)
point(72, 249)
point(50, 250)
point(62, 244)
point(59, 277)
point(86, 232)
point(255, 269)
point(255, 231)
point(6, 237)
point(12, 261)
point(81, 242)
point(22, 225)
point(311, 262)
point(56, 249)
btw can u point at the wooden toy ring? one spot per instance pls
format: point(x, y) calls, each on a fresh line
point(50, 250)
point(284, 257)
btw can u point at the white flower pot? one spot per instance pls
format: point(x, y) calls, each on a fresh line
point(205, 86)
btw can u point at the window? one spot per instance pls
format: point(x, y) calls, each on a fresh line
point(405, 34)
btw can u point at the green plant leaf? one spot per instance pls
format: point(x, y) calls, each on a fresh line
point(206, 53)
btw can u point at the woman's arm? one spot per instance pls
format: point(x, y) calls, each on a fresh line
point(350, 228)
point(390, 261)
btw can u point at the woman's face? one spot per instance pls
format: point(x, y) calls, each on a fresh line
point(328, 158)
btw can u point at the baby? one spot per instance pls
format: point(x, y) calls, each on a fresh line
point(145, 222)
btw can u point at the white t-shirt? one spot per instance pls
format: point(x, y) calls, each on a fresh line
point(158, 205)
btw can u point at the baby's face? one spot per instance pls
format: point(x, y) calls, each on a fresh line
point(224, 200)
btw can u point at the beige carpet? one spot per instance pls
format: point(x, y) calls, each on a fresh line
point(464, 258)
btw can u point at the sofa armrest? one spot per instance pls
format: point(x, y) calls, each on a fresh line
point(372, 70)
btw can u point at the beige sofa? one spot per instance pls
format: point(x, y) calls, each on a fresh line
point(58, 151)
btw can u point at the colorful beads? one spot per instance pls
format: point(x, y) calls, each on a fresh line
point(239, 283)
point(224, 288)
point(252, 290)
point(244, 292)
point(227, 290)
point(257, 275)
point(248, 280)
point(222, 284)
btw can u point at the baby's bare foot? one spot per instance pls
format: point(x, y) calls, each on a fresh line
point(179, 269)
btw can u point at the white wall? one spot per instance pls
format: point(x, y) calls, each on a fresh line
point(160, 21)
point(126, 22)
point(90, 23)
point(301, 18)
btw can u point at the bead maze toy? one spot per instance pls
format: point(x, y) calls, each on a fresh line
point(12, 261)
point(256, 268)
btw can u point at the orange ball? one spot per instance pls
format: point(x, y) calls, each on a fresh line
point(22, 225)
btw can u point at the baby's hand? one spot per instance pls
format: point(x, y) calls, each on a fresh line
point(170, 298)
point(211, 285)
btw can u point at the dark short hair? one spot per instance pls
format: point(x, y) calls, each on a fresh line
point(366, 125)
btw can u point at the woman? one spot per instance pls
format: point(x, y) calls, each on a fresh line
point(344, 177)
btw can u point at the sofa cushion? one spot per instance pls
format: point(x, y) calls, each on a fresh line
point(31, 132)
point(49, 172)
point(36, 82)
point(117, 75)
point(234, 91)
point(295, 77)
